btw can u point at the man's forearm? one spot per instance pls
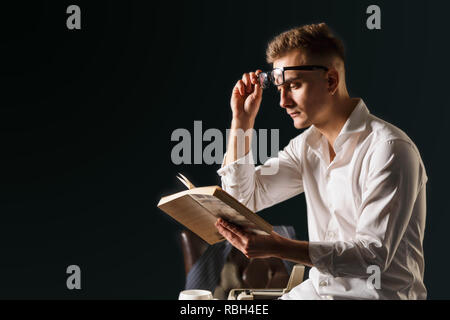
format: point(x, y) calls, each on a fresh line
point(294, 250)
point(240, 140)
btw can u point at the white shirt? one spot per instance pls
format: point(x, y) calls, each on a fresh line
point(366, 208)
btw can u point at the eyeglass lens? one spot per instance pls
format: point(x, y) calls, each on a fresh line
point(264, 80)
point(277, 76)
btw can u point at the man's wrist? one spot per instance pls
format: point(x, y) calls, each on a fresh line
point(292, 250)
point(244, 124)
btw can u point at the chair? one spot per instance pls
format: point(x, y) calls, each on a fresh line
point(238, 271)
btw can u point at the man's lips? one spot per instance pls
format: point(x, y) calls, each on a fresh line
point(294, 114)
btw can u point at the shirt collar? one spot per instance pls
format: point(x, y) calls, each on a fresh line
point(355, 123)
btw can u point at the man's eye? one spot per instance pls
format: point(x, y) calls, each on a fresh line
point(291, 85)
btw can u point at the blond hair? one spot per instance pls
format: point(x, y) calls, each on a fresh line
point(316, 40)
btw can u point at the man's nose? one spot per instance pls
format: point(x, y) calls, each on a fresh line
point(285, 99)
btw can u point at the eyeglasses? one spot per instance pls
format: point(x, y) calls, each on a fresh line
point(278, 77)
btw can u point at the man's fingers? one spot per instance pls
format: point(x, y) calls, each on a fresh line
point(247, 81)
point(230, 236)
point(253, 77)
point(258, 90)
point(233, 228)
point(241, 87)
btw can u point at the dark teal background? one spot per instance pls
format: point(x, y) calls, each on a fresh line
point(86, 119)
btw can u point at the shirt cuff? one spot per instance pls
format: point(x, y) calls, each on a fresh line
point(321, 255)
point(246, 160)
point(238, 170)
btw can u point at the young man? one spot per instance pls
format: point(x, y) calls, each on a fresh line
point(363, 178)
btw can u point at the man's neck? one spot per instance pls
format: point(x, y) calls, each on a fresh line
point(340, 113)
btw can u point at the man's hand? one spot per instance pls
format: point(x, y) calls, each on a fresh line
point(260, 246)
point(251, 245)
point(246, 98)
point(245, 102)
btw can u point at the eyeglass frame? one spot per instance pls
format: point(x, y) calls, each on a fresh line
point(304, 67)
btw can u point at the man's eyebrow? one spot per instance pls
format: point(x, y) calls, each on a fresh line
point(293, 78)
point(288, 80)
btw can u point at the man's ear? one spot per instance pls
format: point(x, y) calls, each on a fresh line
point(332, 81)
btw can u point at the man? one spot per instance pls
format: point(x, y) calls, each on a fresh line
point(363, 178)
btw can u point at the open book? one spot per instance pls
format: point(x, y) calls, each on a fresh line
point(199, 208)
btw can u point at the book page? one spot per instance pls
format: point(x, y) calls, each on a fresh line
point(221, 210)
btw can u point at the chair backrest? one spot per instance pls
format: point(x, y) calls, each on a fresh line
point(193, 247)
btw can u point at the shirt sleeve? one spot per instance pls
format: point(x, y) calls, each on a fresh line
point(396, 175)
point(278, 179)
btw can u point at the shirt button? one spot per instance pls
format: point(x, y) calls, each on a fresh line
point(323, 283)
point(330, 235)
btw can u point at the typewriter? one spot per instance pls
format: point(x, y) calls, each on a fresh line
point(269, 294)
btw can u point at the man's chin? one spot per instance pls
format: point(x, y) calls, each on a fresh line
point(301, 124)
